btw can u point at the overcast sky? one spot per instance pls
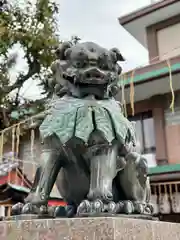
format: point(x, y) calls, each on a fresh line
point(97, 20)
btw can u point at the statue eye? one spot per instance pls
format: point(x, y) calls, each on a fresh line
point(79, 58)
point(80, 64)
point(82, 55)
point(92, 50)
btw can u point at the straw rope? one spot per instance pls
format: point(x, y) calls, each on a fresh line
point(132, 92)
point(32, 148)
point(171, 86)
point(1, 145)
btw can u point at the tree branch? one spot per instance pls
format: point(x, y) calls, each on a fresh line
point(33, 69)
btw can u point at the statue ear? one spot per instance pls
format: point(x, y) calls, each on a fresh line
point(118, 54)
point(61, 51)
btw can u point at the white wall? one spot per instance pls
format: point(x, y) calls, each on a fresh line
point(169, 41)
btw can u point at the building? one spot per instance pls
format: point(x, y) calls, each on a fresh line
point(12, 185)
point(156, 89)
point(15, 186)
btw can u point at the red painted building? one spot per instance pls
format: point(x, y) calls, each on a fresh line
point(14, 187)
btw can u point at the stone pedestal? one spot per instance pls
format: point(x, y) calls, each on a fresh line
point(89, 229)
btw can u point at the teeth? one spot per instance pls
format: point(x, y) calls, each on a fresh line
point(94, 73)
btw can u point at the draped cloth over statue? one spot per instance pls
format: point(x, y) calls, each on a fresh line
point(72, 117)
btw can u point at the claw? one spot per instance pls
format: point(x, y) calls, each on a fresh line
point(120, 206)
point(43, 210)
point(112, 207)
point(128, 207)
point(27, 208)
point(150, 208)
point(97, 206)
point(84, 207)
point(16, 209)
point(139, 207)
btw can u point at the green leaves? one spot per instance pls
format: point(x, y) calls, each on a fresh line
point(34, 28)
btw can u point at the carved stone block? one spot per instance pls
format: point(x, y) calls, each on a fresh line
point(102, 228)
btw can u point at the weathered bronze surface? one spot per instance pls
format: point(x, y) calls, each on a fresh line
point(89, 147)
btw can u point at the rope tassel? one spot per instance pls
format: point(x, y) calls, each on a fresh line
point(171, 85)
point(32, 148)
point(132, 92)
point(1, 145)
point(17, 148)
point(13, 149)
point(123, 100)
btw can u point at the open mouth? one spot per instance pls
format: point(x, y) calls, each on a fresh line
point(91, 75)
point(96, 73)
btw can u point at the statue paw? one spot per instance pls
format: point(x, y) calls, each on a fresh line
point(143, 208)
point(96, 207)
point(134, 207)
point(29, 208)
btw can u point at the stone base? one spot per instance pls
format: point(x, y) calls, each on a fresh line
point(89, 229)
point(25, 217)
point(135, 216)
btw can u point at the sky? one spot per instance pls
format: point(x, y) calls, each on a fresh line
point(97, 20)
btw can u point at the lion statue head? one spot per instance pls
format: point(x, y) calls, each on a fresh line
point(86, 64)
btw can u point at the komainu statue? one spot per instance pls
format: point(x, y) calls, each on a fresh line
point(89, 147)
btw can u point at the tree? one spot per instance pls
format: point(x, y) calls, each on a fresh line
point(34, 28)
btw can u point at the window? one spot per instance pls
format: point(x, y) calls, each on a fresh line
point(144, 126)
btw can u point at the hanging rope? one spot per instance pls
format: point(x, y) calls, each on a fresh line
point(13, 141)
point(17, 148)
point(32, 147)
point(132, 92)
point(1, 145)
point(18, 138)
point(123, 100)
point(122, 93)
point(171, 86)
point(13, 148)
